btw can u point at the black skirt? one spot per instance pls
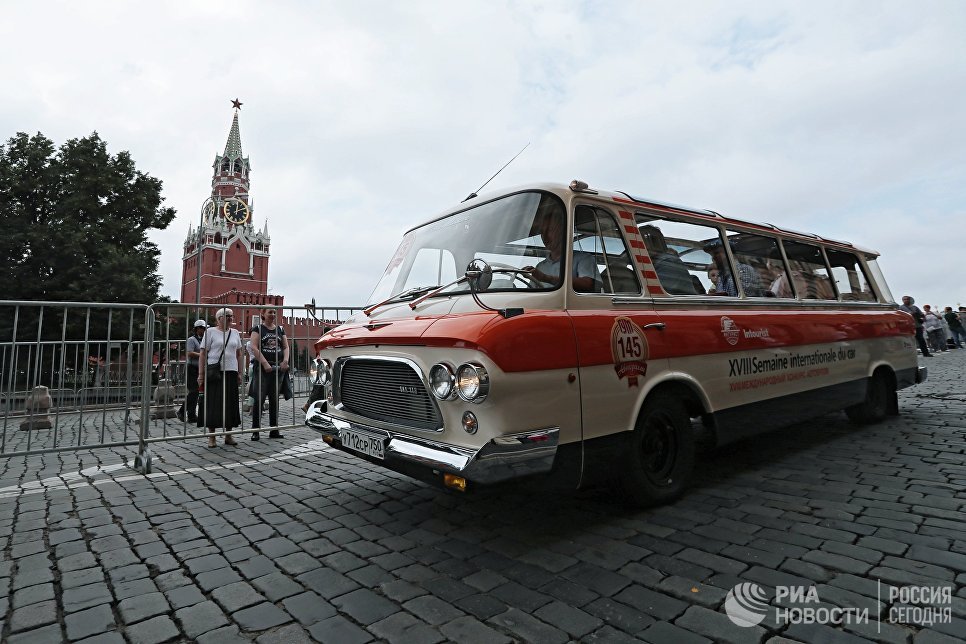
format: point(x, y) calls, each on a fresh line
point(221, 403)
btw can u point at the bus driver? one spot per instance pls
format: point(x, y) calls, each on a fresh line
point(546, 274)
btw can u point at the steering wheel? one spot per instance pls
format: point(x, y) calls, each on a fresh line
point(518, 275)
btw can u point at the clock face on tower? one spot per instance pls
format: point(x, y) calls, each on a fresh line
point(236, 211)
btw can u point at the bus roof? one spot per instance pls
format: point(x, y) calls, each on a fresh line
point(620, 197)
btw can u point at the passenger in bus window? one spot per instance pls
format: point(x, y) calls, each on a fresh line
point(713, 274)
point(781, 288)
point(748, 276)
point(671, 271)
point(587, 278)
point(810, 286)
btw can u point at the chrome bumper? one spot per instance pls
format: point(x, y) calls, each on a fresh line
point(503, 458)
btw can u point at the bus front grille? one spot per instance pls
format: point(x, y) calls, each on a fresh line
point(387, 390)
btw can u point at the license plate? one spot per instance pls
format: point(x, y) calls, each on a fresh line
point(374, 446)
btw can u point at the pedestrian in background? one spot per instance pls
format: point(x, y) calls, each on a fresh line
point(933, 325)
point(222, 353)
point(270, 347)
point(909, 306)
point(249, 392)
point(193, 349)
point(956, 328)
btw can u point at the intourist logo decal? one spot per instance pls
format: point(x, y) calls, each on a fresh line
point(732, 332)
point(628, 346)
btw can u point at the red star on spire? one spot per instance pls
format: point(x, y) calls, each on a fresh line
point(236, 104)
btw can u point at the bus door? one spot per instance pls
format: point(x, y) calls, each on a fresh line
point(620, 338)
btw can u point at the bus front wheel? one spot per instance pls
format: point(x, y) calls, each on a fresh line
point(660, 456)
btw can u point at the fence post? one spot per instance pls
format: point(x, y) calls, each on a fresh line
point(127, 393)
point(142, 461)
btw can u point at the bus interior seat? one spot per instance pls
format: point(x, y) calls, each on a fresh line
point(621, 277)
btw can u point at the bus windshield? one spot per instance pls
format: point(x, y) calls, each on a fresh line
point(505, 233)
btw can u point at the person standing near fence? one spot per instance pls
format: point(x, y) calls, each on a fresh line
point(222, 354)
point(193, 349)
point(270, 347)
point(909, 306)
point(933, 325)
point(956, 328)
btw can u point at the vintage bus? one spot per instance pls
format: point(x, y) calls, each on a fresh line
point(562, 329)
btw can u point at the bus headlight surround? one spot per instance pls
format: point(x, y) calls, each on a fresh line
point(442, 381)
point(472, 382)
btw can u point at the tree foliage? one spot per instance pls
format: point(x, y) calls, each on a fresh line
point(75, 222)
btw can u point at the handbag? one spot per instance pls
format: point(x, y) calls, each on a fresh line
point(201, 409)
point(213, 373)
point(285, 386)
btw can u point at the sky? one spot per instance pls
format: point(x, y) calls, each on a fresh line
point(363, 119)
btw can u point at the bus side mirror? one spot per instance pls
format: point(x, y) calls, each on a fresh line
point(479, 275)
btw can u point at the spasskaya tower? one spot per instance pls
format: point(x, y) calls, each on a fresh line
point(225, 256)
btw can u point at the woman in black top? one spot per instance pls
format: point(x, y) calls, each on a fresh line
point(270, 347)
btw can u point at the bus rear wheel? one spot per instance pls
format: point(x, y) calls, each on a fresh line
point(875, 407)
point(660, 456)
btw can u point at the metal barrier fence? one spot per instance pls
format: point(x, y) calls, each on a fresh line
point(83, 375)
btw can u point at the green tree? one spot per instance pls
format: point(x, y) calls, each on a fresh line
point(75, 222)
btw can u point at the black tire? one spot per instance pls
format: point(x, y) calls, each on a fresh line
point(660, 456)
point(876, 405)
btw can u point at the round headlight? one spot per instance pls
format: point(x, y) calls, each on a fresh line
point(442, 381)
point(472, 382)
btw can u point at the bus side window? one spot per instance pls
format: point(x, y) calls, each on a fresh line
point(809, 272)
point(768, 276)
point(596, 233)
point(679, 255)
point(851, 281)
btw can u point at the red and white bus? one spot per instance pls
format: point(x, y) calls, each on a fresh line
point(554, 328)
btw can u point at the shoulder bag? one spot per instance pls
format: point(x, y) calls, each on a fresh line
point(215, 371)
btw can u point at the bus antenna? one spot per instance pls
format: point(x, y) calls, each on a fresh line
point(474, 194)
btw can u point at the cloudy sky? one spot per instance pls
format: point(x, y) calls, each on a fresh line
point(362, 119)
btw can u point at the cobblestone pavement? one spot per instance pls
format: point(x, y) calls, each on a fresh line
point(288, 541)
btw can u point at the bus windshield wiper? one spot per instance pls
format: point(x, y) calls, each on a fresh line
point(415, 291)
point(434, 291)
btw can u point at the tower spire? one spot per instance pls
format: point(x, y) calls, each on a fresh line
point(233, 148)
point(225, 256)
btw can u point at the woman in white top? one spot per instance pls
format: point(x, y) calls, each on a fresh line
point(222, 346)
